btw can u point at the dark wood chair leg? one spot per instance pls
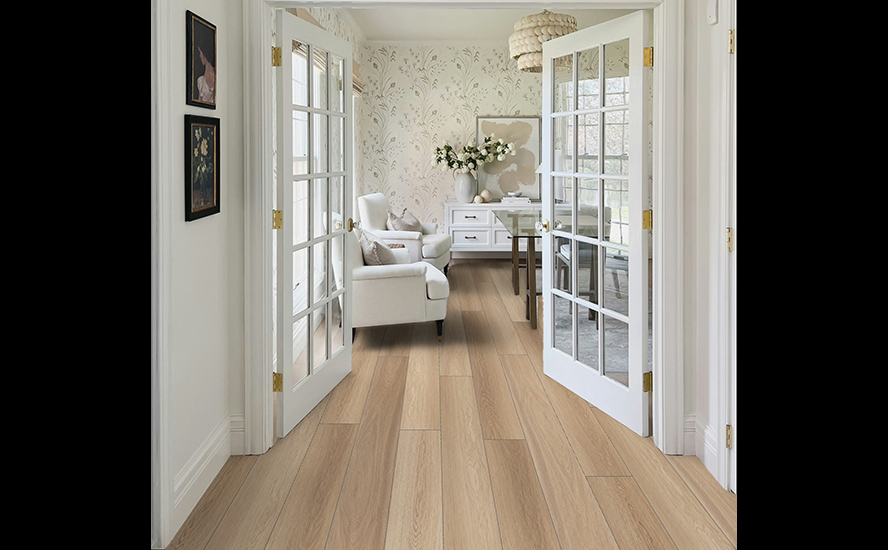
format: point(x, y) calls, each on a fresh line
point(354, 331)
point(440, 324)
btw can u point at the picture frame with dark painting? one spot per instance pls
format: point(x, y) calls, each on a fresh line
point(202, 146)
point(200, 48)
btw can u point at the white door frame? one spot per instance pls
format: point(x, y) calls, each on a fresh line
point(668, 361)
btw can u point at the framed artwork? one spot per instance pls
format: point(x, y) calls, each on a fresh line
point(202, 147)
point(201, 65)
point(517, 173)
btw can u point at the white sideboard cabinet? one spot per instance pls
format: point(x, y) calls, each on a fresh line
point(474, 228)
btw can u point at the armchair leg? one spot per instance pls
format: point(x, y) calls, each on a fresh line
point(354, 331)
point(445, 269)
point(440, 324)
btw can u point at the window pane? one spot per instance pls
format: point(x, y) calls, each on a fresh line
point(300, 211)
point(587, 271)
point(300, 73)
point(300, 349)
point(319, 79)
point(616, 350)
point(300, 279)
point(616, 281)
point(616, 199)
point(563, 143)
point(616, 143)
point(337, 138)
point(588, 85)
point(319, 338)
point(319, 143)
point(319, 206)
point(588, 143)
point(563, 255)
point(587, 207)
point(300, 143)
point(337, 69)
point(587, 333)
point(563, 82)
point(319, 257)
point(562, 332)
point(616, 73)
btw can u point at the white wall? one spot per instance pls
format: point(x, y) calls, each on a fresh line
point(706, 134)
point(206, 331)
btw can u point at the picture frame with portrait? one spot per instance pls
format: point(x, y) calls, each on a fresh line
point(200, 48)
point(517, 173)
point(202, 146)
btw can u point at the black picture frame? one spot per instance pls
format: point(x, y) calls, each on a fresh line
point(202, 162)
point(201, 66)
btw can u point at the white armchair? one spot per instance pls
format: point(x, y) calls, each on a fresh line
point(429, 246)
point(406, 292)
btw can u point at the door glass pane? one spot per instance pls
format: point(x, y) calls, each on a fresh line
point(616, 350)
point(587, 207)
point(563, 81)
point(319, 338)
point(319, 257)
point(562, 331)
point(616, 281)
point(300, 73)
point(563, 143)
point(300, 143)
point(563, 193)
point(300, 280)
point(337, 137)
point(300, 349)
point(563, 255)
point(337, 201)
point(616, 213)
point(587, 271)
point(319, 206)
point(616, 73)
point(300, 211)
point(587, 143)
point(336, 332)
point(587, 332)
point(616, 143)
point(588, 85)
point(319, 79)
point(319, 143)
point(337, 70)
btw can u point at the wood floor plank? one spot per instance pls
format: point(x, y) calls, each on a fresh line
point(521, 509)
point(304, 521)
point(362, 512)
point(250, 519)
point(501, 326)
point(630, 516)
point(469, 511)
point(211, 507)
point(499, 419)
point(369, 338)
point(416, 517)
point(453, 354)
point(720, 503)
point(685, 519)
point(513, 303)
point(575, 513)
point(480, 273)
point(397, 340)
point(347, 398)
point(422, 410)
point(468, 292)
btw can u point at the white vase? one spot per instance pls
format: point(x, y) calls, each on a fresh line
point(466, 187)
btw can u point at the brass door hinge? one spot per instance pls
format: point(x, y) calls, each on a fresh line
point(277, 381)
point(647, 219)
point(649, 57)
point(276, 56)
point(277, 219)
point(647, 382)
point(729, 436)
point(731, 41)
point(729, 237)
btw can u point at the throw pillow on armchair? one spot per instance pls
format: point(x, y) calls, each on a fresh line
point(405, 222)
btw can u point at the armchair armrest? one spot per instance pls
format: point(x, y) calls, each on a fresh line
point(368, 272)
point(398, 235)
point(429, 228)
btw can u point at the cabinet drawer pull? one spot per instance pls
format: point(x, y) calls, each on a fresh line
point(472, 217)
point(471, 237)
point(508, 236)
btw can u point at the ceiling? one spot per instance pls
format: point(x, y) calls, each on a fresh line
point(476, 25)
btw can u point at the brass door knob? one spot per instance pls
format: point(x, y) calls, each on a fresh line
point(542, 226)
point(351, 225)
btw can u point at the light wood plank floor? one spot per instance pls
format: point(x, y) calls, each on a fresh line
point(460, 444)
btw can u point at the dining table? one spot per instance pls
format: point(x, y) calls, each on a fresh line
point(527, 224)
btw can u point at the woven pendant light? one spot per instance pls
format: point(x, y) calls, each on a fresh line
point(526, 43)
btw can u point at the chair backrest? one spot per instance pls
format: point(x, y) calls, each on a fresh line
point(374, 211)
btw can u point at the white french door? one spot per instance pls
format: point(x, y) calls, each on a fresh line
point(314, 179)
point(596, 187)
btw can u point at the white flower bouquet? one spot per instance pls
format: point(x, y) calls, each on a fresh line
point(470, 158)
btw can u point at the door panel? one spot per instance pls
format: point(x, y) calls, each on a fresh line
point(596, 182)
point(314, 171)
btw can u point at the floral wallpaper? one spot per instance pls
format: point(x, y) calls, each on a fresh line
point(418, 96)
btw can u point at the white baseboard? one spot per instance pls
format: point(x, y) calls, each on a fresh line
point(703, 439)
point(238, 441)
point(195, 477)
